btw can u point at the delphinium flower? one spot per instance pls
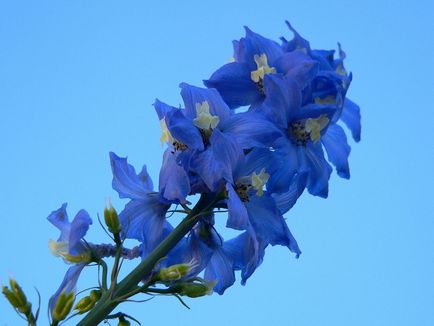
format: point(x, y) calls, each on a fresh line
point(205, 139)
point(73, 250)
point(252, 164)
point(303, 92)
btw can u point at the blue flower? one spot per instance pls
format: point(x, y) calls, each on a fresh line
point(332, 68)
point(70, 245)
point(206, 139)
point(144, 216)
point(241, 82)
point(300, 150)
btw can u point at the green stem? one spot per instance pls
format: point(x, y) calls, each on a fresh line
point(109, 302)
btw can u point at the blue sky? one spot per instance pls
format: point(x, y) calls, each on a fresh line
point(78, 79)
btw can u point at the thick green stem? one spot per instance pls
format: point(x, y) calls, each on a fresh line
point(108, 302)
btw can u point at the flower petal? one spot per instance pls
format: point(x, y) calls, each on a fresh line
point(251, 129)
point(220, 268)
point(238, 218)
point(338, 150)
point(235, 85)
point(144, 220)
point(174, 183)
point(269, 224)
point(351, 117)
point(79, 226)
point(125, 180)
point(193, 95)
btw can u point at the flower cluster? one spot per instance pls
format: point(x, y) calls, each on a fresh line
point(249, 142)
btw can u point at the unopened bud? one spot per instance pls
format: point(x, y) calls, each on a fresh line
point(123, 322)
point(16, 297)
point(63, 306)
point(175, 272)
point(195, 290)
point(87, 303)
point(111, 219)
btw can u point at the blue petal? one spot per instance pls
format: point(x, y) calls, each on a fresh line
point(283, 99)
point(183, 129)
point(351, 117)
point(235, 85)
point(251, 129)
point(286, 165)
point(196, 95)
point(125, 180)
point(79, 226)
point(269, 224)
point(338, 150)
point(59, 218)
point(319, 170)
point(144, 220)
point(218, 162)
point(297, 42)
point(190, 249)
point(256, 160)
point(162, 109)
point(174, 183)
point(220, 268)
point(68, 284)
point(257, 44)
point(299, 67)
point(238, 218)
point(285, 201)
point(246, 252)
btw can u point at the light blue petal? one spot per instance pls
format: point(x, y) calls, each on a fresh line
point(144, 220)
point(246, 252)
point(59, 218)
point(269, 224)
point(285, 201)
point(125, 180)
point(68, 284)
point(338, 150)
point(79, 226)
point(238, 218)
point(351, 117)
point(220, 269)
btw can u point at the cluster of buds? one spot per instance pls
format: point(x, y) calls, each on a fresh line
point(16, 297)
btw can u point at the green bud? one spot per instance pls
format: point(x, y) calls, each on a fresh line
point(174, 272)
point(95, 295)
point(87, 303)
point(112, 220)
point(123, 322)
point(195, 290)
point(63, 306)
point(16, 297)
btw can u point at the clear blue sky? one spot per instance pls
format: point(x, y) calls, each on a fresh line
point(77, 80)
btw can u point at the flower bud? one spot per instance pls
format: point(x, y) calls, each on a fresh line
point(63, 306)
point(195, 290)
point(175, 272)
point(88, 302)
point(123, 322)
point(112, 220)
point(16, 297)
